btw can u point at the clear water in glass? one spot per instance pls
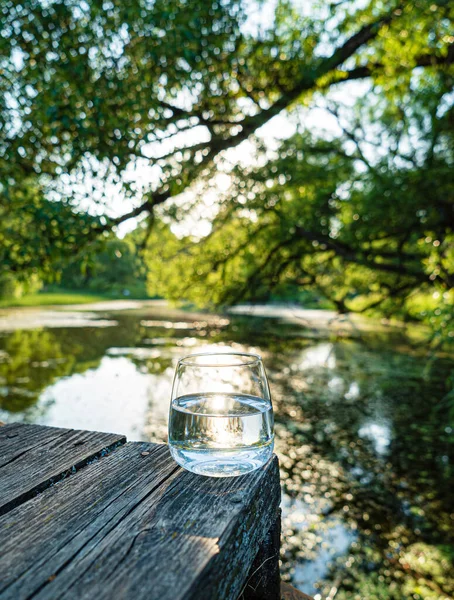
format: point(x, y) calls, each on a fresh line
point(223, 425)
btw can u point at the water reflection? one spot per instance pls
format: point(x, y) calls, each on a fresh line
point(378, 433)
point(114, 394)
point(35, 318)
point(353, 391)
point(365, 449)
point(321, 355)
point(333, 542)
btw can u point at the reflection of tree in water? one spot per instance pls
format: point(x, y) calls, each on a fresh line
point(31, 360)
point(388, 483)
point(361, 443)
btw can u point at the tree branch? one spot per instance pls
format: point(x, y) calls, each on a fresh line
point(354, 256)
point(365, 71)
point(250, 124)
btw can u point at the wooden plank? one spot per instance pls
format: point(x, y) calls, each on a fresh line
point(132, 527)
point(41, 536)
point(264, 580)
point(33, 457)
point(195, 539)
point(17, 438)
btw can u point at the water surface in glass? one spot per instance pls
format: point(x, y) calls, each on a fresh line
point(221, 417)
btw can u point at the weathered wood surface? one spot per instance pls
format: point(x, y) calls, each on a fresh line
point(131, 525)
point(32, 457)
point(264, 580)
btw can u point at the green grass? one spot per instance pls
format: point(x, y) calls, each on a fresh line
point(52, 298)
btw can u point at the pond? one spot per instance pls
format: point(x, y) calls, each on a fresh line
point(362, 430)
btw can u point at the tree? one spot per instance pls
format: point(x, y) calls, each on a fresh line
point(92, 89)
point(367, 227)
point(35, 233)
point(114, 267)
point(95, 86)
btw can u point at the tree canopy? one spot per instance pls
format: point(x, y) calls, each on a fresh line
point(321, 214)
point(106, 102)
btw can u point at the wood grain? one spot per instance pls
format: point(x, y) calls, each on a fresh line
point(132, 526)
point(264, 581)
point(42, 536)
point(194, 539)
point(33, 457)
point(129, 524)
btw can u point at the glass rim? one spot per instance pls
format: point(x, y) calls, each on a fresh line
point(191, 360)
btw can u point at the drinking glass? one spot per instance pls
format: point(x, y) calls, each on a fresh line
point(221, 417)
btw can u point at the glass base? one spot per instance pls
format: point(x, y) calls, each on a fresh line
point(222, 463)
